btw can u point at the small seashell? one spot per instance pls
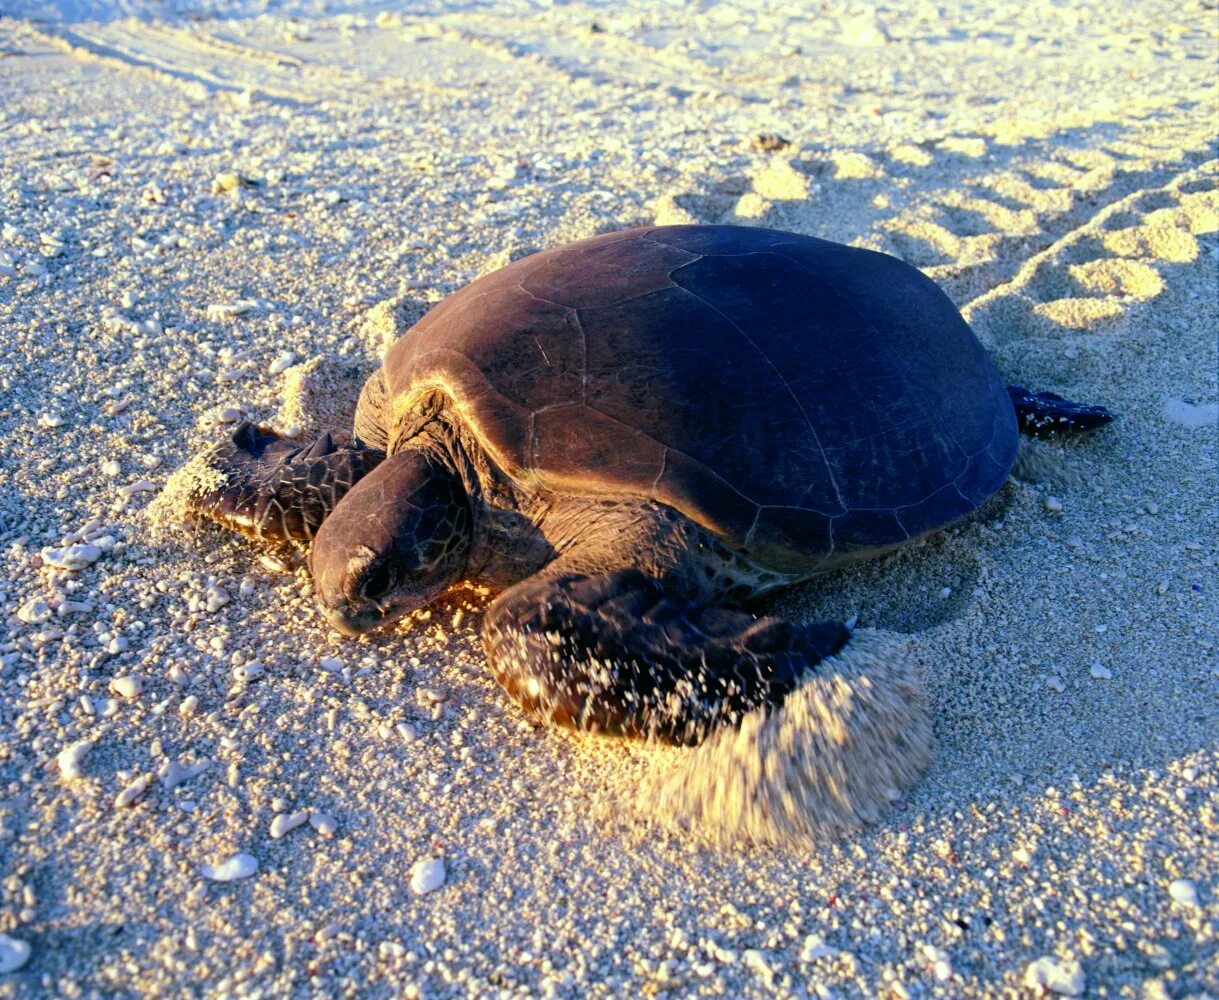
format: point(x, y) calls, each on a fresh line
point(111, 468)
point(323, 823)
point(427, 876)
point(14, 953)
point(50, 420)
point(1184, 892)
point(274, 564)
point(231, 868)
point(189, 706)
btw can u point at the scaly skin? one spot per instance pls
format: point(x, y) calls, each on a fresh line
point(275, 490)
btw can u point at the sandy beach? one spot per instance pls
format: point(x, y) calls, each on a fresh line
point(231, 209)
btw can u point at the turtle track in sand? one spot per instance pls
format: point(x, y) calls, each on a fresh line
point(1111, 262)
point(201, 63)
point(996, 199)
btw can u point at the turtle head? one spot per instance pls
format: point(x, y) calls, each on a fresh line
point(394, 543)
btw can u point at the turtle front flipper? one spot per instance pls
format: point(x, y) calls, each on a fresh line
point(276, 490)
point(616, 653)
point(1048, 415)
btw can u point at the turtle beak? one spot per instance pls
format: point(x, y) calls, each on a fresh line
point(366, 617)
point(351, 622)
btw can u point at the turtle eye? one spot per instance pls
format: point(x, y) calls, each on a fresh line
point(378, 581)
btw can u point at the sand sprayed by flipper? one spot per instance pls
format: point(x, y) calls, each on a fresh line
point(839, 751)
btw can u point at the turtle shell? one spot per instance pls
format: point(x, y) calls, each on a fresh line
point(800, 399)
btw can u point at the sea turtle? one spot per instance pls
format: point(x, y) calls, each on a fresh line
point(628, 437)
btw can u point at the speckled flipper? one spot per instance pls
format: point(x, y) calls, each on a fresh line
point(1048, 415)
point(276, 490)
point(617, 654)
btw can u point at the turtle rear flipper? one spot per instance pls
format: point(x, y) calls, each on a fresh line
point(275, 490)
point(617, 653)
point(1048, 415)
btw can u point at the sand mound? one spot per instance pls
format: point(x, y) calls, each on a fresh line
point(843, 747)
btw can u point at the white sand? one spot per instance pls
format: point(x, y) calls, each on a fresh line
point(1052, 166)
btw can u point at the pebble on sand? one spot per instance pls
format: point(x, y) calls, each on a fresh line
point(282, 363)
point(14, 953)
point(287, 822)
point(1066, 978)
point(248, 672)
point(127, 687)
point(323, 823)
point(1184, 892)
point(815, 948)
point(221, 312)
point(71, 758)
point(231, 868)
point(427, 876)
point(34, 612)
point(133, 792)
point(71, 557)
point(216, 598)
point(175, 772)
